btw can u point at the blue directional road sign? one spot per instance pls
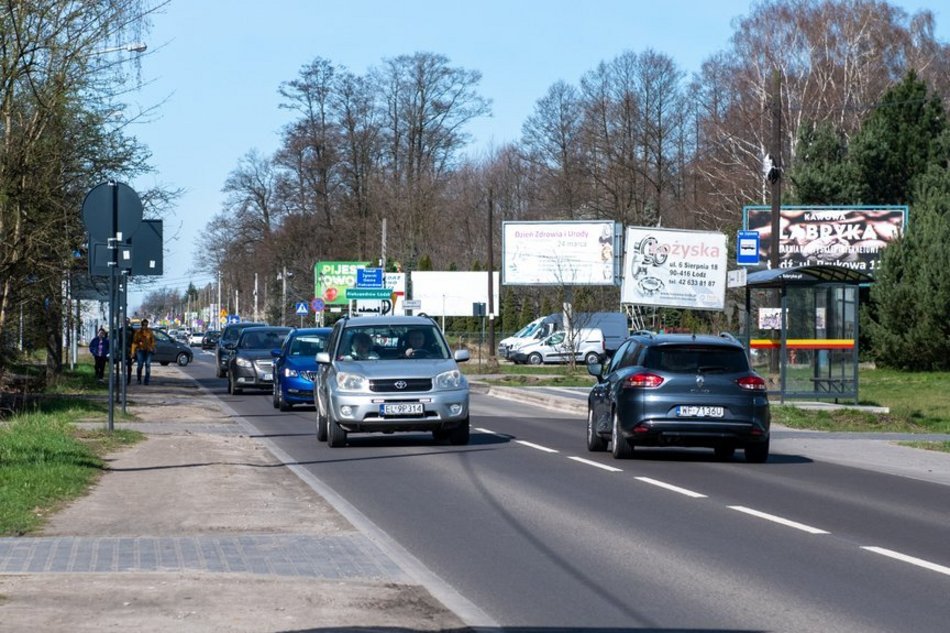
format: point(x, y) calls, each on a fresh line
point(747, 248)
point(302, 308)
point(369, 277)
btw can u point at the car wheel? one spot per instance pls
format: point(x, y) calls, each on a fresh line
point(218, 372)
point(336, 434)
point(757, 453)
point(620, 448)
point(595, 443)
point(282, 404)
point(321, 423)
point(724, 453)
point(592, 358)
point(273, 396)
point(183, 360)
point(459, 436)
point(233, 389)
point(535, 359)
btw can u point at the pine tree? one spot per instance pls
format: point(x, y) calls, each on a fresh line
point(898, 142)
point(909, 328)
point(822, 174)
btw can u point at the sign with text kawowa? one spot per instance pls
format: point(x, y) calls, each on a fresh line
point(674, 269)
point(852, 237)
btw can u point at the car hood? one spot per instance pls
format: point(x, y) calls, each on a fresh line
point(306, 363)
point(381, 369)
point(254, 354)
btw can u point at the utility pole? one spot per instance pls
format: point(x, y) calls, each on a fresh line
point(382, 258)
point(217, 315)
point(283, 296)
point(775, 172)
point(256, 318)
point(491, 279)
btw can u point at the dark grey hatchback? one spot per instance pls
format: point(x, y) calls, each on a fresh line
point(679, 390)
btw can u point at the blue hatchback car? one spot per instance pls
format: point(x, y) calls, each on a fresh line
point(295, 366)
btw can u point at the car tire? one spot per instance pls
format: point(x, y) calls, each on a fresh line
point(620, 448)
point(282, 404)
point(535, 359)
point(460, 435)
point(321, 424)
point(757, 453)
point(273, 396)
point(233, 389)
point(183, 360)
point(336, 434)
point(724, 453)
point(595, 443)
point(592, 358)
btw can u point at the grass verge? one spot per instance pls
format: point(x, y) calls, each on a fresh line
point(45, 461)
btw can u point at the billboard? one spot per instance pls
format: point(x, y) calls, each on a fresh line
point(331, 279)
point(673, 268)
point(561, 253)
point(452, 293)
point(853, 237)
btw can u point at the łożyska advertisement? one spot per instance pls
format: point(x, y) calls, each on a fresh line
point(676, 269)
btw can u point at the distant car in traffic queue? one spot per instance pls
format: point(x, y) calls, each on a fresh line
point(229, 336)
point(250, 358)
point(295, 366)
point(210, 339)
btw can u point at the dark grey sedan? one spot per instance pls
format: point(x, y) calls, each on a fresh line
point(250, 362)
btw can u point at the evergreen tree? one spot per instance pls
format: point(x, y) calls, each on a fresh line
point(508, 312)
point(822, 174)
point(908, 327)
point(897, 142)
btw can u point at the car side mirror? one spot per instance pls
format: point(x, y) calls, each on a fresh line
point(461, 355)
point(275, 353)
point(323, 357)
point(595, 369)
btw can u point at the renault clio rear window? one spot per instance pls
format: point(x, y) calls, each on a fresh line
point(694, 359)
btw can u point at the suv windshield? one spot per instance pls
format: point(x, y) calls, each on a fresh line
point(694, 359)
point(392, 343)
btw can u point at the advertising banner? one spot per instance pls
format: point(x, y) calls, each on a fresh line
point(331, 279)
point(561, 253)
point(853, 237)
point(444, 293)
point(676, 269)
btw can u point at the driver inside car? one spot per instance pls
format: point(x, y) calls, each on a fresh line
point(416, 344)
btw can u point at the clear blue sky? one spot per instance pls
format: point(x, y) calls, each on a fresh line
point(214, 66)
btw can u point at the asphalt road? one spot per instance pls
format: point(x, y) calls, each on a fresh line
point(537, 532)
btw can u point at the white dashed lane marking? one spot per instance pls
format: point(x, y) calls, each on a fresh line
point(919, 562)
point(779, 520)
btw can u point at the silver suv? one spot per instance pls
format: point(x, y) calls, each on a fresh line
point(390, 373)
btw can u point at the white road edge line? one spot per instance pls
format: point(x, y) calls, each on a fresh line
point(780, 520)
point(940, 569)
point(661, 484)
point(596, 464)
point(540, 448)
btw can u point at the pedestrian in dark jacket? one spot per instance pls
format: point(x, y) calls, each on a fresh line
point(99, 348)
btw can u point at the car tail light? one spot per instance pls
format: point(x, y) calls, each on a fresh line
point(643, 380)
point(751, 383)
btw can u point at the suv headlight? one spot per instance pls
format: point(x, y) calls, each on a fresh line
point(243, 362)
point(449, 380)
point(290, 373)
point(352, 382)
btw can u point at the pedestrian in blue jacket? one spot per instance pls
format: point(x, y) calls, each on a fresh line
point(99, 348)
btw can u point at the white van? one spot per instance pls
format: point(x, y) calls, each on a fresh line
point(531, 333)
point(586, 345)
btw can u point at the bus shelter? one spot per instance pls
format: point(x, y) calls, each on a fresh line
point(801, 330)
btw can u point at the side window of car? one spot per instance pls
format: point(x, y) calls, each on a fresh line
point(629, 355)
point(615, 362)
point(333, 340)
